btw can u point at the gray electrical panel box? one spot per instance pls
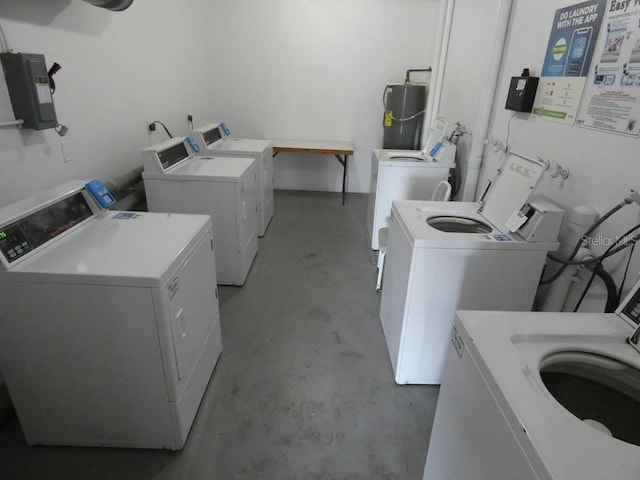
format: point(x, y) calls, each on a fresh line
point(28, 84)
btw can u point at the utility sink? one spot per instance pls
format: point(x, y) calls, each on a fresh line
point(599, 390)
point(458, 225)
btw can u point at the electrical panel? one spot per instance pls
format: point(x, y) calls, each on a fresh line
point(28, 84)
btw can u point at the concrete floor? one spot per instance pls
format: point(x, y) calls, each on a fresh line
point(304, 387)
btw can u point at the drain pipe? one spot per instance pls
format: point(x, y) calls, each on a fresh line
point(441, 51)
point(579, 220)
point(483, 120)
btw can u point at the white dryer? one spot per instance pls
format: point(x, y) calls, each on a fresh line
point(446, 256)
point(110, 328)
point(211, 140)
point(532, 396)
point(223, 187)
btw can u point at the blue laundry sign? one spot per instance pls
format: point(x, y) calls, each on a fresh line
point(568, 59)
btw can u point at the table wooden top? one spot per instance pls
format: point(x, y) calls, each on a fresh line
point(329, 147)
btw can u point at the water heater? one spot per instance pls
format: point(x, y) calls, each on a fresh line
point(404, 107)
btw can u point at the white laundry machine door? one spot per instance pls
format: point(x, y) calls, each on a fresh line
point(190, 299)
point(397, 274)
point(248, 211)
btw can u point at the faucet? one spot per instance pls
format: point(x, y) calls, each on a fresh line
point(634, 339)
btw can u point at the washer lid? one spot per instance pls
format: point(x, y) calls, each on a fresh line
point(207, 169)
point(511, 190)
point(240, 146)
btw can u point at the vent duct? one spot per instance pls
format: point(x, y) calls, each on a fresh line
point(113, 5)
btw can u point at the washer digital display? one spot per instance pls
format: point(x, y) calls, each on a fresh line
point(172, 155)
point(212, 136)
point(21, 237)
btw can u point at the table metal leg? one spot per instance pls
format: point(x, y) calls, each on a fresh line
point(343, 162)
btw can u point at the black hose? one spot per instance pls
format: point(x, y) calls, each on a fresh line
point(566, 263)
point(612, 291)
point(455, 178)
point(612, 294)
point(607, 253)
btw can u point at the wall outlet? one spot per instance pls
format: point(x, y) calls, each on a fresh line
point(67, 151)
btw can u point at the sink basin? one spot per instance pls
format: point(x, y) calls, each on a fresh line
point(599, 390)
point(458, 225)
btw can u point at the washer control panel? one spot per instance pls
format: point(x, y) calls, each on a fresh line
point(630, 308)
point(25, 235)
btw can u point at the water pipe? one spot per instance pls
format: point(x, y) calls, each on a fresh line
point(483, 118)
point(445, 20)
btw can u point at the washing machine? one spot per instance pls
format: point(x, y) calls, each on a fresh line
point(532, 395)
point(406, 175)
point(223, 187)
point(446, 256)
point(401, 177)
point(110, 324)
point(212, 140)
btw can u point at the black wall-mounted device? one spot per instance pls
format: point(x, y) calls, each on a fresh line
point(522, 92)
point(28, 84)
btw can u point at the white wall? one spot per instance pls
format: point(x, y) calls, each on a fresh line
point(308, 69)
point(603, 167)
point(291, 68)
point(120, 70)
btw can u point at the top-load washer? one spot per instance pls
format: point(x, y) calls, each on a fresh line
point(110, 325)
point(399, 178)
point(212, 140)
point(223, 187)
point(539, 395)
point(446, 256)
point(406, 175)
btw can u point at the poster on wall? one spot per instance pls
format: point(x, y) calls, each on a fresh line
point(612, 93)
point(571, 47)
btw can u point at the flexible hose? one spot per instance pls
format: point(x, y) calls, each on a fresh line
point(567, 262)
point(610, 251)
point(612, 291)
